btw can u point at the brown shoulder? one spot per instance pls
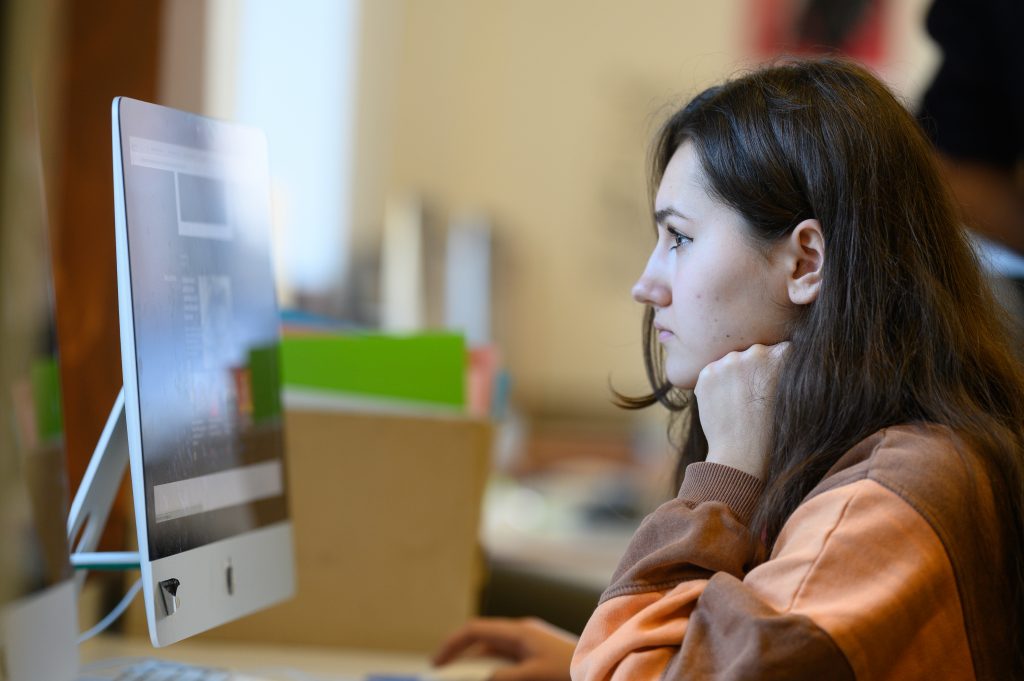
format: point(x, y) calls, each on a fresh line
point(938, 474)
point(929, 466)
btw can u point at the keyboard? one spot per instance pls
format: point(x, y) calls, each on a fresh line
point(162, 670)
point(148, 669)
point(151, 669)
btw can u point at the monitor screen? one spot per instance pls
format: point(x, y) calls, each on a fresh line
point(206, 331)
point(199, 327)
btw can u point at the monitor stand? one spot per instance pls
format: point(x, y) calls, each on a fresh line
point(95, 497)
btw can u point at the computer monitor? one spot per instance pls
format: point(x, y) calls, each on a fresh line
point(199, 351)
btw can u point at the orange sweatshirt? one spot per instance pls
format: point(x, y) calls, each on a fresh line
point(884, 571)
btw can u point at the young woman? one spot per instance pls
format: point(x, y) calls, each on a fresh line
point(851, 500)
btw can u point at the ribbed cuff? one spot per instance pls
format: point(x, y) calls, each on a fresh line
point(706, 481)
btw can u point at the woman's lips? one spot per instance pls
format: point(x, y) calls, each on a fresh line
point(663, 333)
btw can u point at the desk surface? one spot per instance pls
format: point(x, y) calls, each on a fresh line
point(540, 528)
point(287, 663)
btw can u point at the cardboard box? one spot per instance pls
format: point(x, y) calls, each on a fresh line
point(385, 510)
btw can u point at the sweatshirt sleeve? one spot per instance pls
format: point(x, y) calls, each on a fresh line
point(686, 603)
point(642, 616)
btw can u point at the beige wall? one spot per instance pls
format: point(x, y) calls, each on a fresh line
point(538, 114)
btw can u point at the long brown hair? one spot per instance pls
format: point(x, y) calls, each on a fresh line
point(904, 329)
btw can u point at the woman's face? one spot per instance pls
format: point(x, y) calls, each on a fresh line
point(711, 291)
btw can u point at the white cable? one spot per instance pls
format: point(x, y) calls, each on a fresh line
point(114, 614)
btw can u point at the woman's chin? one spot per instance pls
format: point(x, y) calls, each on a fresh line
point(684, 380)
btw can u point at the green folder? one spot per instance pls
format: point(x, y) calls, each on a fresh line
point(428, 368)
point(46, 398)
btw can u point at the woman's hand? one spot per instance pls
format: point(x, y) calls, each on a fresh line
point(734, 397)
point(538, 650)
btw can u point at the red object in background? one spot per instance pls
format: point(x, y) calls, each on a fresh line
point(777, 29)
point(484, 365)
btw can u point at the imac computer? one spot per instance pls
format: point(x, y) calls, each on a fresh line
point(199, 419)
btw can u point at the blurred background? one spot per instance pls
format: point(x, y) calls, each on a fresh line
point(531, 118)
point(519, 126)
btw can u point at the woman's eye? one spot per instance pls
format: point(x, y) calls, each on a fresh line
point(677, 239)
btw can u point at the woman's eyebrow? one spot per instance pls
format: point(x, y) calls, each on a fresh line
point(659, 216)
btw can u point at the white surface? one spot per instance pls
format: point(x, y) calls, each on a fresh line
point(403, 275)
point(997, 258)
point(263, 566)
point(218, 490)
point(294, 73)
point(540, 529)
point(91, 506)
point(330, 400)
point(467, 289)
point(181, 159)
point(38, 635)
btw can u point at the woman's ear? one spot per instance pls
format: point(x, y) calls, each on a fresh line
point(805, 260)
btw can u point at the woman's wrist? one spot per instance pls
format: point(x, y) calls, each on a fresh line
point(753, 466)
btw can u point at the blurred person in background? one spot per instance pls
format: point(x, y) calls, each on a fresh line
point(974, 113)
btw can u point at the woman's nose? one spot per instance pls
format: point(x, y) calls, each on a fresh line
point(649, 291)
